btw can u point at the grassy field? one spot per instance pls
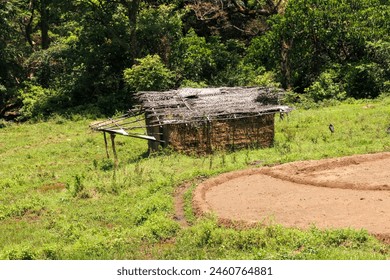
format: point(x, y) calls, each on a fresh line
point(61, 198)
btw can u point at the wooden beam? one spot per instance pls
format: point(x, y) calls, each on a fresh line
point(112, 135)
point(105, 143)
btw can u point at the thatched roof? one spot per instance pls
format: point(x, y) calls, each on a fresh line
point(188, 105)
point(193, 106)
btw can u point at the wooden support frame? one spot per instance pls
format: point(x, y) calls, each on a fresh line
point(105, 143)
point(112, 135)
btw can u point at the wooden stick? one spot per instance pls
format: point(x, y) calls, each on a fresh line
point(112, 135)
point(105, 142)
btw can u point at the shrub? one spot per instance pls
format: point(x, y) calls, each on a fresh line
point(38, 101)
point(77, 189)
point(33, 99)
point(149, 74)
point(364, 80)
point(265, 79)
point(326, 86)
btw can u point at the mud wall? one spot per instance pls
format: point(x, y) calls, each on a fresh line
point(206, 137)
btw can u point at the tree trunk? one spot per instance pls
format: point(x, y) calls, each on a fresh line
point(285, 64)
point(132, 7)
point(28, 26)
point(44, 25)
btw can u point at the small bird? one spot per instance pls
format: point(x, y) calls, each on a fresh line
point(331, 128)
point(281, 116)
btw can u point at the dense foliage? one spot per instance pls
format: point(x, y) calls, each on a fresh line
point(92, 54)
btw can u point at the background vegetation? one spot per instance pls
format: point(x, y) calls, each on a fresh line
point(91, 55)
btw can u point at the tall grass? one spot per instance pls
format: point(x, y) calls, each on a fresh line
point(61, 198)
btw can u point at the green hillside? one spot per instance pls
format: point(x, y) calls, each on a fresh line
point(61, 198)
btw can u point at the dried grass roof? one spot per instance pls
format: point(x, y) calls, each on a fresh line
point(193, 104)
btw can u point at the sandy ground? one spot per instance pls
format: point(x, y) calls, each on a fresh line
point(348, 192)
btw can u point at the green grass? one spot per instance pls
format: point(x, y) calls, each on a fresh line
point(61, 198)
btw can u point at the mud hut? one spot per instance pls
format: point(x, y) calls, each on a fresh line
point(202, 120)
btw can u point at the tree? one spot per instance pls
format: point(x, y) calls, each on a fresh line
point(11, 72)
point(132, 9)
point(36, 15)
point(44, 23)
point(313, 36)
point(232, 18)
point(159, 29)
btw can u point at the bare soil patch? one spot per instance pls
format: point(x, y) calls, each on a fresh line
point(179, 204)
point(348, 192)
point(53, 187)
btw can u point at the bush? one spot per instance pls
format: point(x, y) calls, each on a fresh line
point(326, 86)
point(364, 80)
point(38, 101)
point(244, 74)
point(359, 80)
point(265, 79)
point(149, 74)
point(33, 99)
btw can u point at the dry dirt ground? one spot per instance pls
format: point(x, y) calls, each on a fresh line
point(348, 192)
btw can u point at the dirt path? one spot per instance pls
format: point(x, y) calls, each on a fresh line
point(333, 193)
point(179, 204)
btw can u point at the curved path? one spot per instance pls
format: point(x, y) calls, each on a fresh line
point(344, 192)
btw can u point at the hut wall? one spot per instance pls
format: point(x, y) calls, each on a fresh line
point(231, 134)
point(153, 131)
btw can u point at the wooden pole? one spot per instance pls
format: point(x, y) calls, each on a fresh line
point(112, 135)
point(209, 140)
point(105, 142)
point(234, 135)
